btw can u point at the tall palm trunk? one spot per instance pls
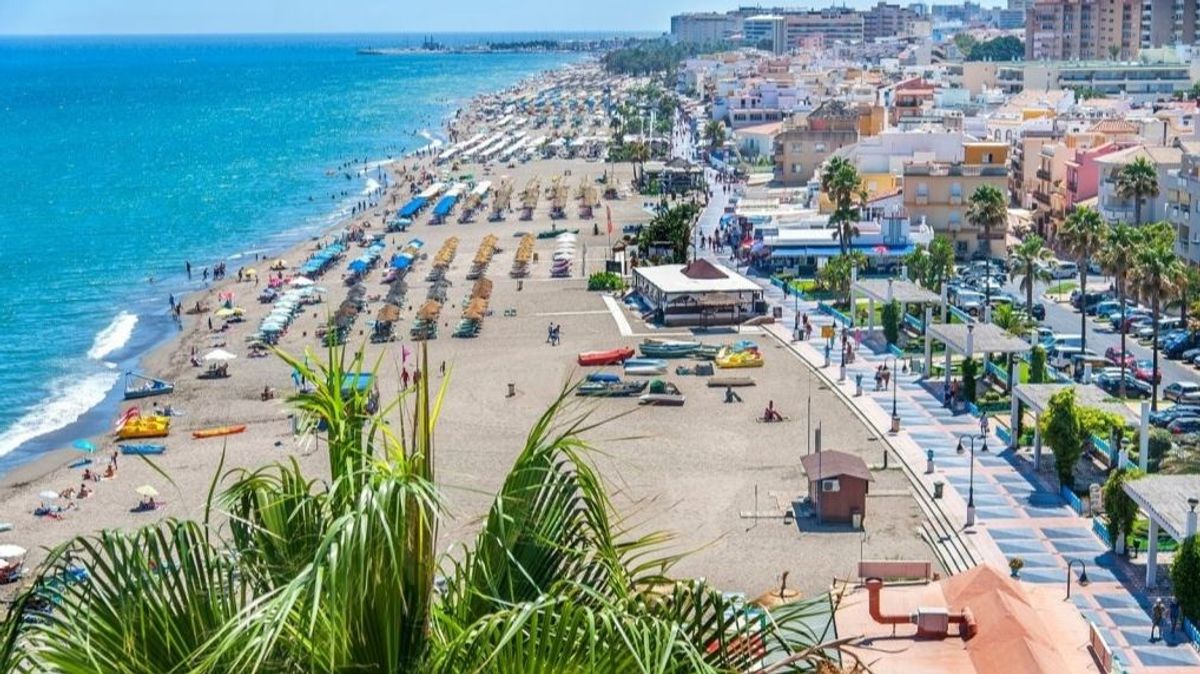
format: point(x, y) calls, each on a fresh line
point(1121, 326)
point(1083, 272)
point(1030, 279)
point(1154, 373)
point(1137, 211)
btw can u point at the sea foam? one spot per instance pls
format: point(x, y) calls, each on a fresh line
point(114, 336)
point(69, 399)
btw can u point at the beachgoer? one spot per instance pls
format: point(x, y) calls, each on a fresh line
point(188, 266)
point(84, 490)
point(550, 333)
point(878, 377)
point(983, 425)
point(210, 327)
point(1157, 614)
point(731, 396)
point(112, 461)
point(887, 377)
point(1174, 609)
point(771, 414)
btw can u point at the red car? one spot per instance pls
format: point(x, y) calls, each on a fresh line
point(1113, 355)
point(1144, 370)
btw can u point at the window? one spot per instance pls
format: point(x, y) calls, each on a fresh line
point(987, 158)
point(819, 147)
point(956, 189)
point(830, 485)
point(922, 189)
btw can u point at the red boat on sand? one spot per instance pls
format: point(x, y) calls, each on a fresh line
point(609, 357)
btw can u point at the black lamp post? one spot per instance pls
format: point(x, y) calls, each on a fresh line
point(1083, 579)
point(895, 385)
point(971, 484)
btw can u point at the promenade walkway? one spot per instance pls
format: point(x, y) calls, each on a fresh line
point(1019, 514)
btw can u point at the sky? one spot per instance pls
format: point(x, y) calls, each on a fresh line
point(53, 17)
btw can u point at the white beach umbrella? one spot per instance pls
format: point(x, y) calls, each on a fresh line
point(302, 281)
point(9, 551)
point(219, 354)
point(48, 495)
point(147, 491)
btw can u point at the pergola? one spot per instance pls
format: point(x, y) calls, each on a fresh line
point(1037, 397)
point(888, 290)
point(1169, 502)
point(968, 339)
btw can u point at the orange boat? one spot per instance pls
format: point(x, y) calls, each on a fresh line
point(218, 431)
point(610, 357)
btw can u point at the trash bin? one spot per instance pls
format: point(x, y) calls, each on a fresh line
point(777, 312)
point(938, 488)
point(858, 384)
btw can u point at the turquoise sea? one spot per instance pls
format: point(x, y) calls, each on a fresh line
point(122, 158)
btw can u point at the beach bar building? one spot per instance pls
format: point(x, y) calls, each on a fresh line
point(701, 294)
point(837, 485)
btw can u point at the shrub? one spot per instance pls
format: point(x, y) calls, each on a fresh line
point(1063, 429)
point(891, 322)
point(1120, 512)
point(605, 280)
point(1185, 578)
point(970, 370)
point(1037, 365)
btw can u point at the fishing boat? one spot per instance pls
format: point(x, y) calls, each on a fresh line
point(663, 393)
point(666, 348)
point(609, 357)
point(707, 351)
point(611, 389)
point(645, 366)
point(604, 377)
point(728, 358)
point(144, 427)
point(143, 450)
point(218, 431)
point(140, 386)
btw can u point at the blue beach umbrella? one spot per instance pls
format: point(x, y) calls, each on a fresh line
point(84, 446)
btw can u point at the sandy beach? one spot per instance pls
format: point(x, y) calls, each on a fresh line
point(689, 470)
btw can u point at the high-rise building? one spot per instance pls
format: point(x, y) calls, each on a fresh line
point(1165, 23)
point(834, 24)
point(765, 31)
point(705, 27)
point(1065, 30)
point(886, 20)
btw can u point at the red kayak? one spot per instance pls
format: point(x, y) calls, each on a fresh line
point(610, 357)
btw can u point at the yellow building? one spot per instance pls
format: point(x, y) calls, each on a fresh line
point(938, 194)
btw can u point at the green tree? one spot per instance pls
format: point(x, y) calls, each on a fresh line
point(714, 133)
point(836, 274)
point(1189, 290)
point(1027, 262)
point(672, 227)
point(1137, 180)
point(1120, 511)
point(1062, 428)
point(1083, 234)
point(891, 316)
point(1185, 577)
point(1006, 318)
point(988, 211)
point(638, 153)
point(965, 42)
point(916, 265)
point(1116, 255)
point(842, 184)
point(1006, 48)
point(941, 262)
point(970, 377)
point(1157, 274)
point(339, 576)
point(1037, 365)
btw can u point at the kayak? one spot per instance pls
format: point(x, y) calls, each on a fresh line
point(143, 449)
point(645, 366)
point(218, 431)
point(79, 463)
point(609, 357)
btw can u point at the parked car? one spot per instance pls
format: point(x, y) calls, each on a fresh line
point(1163, 417)
point(1064, 270)
point(1165, 325)
point(1110, 383)
point(1180, 390)
point(1037, 311)
point(1177, 344)
point(1090, 300)
point(1184, 425)
point(1144, 369)
point(1115, 356)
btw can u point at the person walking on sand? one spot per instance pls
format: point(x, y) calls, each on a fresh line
point(404, 379)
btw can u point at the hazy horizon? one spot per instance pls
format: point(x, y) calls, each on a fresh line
point(37, 18)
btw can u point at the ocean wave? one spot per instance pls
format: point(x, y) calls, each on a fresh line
point(371, 186)
point(113, 337)
point(69, 399)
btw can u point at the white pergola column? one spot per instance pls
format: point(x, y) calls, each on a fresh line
point(1144, 438)
point(853, 299)
point(1037, 441)
point(870, 315)
point(1152, 555)
point(928, 342)
point(946, 378)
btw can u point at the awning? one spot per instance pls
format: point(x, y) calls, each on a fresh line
point(833, 250)
point(444, 206)
point(410, 209)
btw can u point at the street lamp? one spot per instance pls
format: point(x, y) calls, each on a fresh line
point(971, 485)
point(895, 379)
point(1083, 579)
point(842, 371)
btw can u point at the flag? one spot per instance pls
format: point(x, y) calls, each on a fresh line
point(608, 210)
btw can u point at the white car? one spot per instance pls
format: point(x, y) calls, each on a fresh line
point(1181, 390)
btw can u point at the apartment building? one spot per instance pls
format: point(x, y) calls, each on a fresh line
point(765, 31)
point(1115, 208)
point(833, 24)
point(1165, 23)
point(806, 141)
point(1139, 82)
point(886, 20)
point(1070, 30)
point(1183, 202)
point(705, 27)
point(937, 194)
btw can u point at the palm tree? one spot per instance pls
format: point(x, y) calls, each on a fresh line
point(1083, 234)
point(340, 576)
point(842, 184)
point(1116, 257)
point(916, 264)
point(988, 210)
point(1157, 274)
point(639, 154)
point(714, 132)
point(1189, 289)
point(941, 262)
point(1137, 180)
point(1010, 321)
point(1025, 262)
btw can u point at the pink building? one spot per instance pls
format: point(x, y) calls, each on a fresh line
point(1083, 173)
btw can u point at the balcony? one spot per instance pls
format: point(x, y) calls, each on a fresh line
point(1072, 186)
point(1041, 198)
point(1042, 174)
point(922, 199)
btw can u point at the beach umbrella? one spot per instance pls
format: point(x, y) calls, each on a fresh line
point(48, 495)
point(227, 312)
point(250, 272)
point(84, 446)
point(302, 281)
point(147, 491)
point(10, 551)
point(880, 250)
point(219, 354)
